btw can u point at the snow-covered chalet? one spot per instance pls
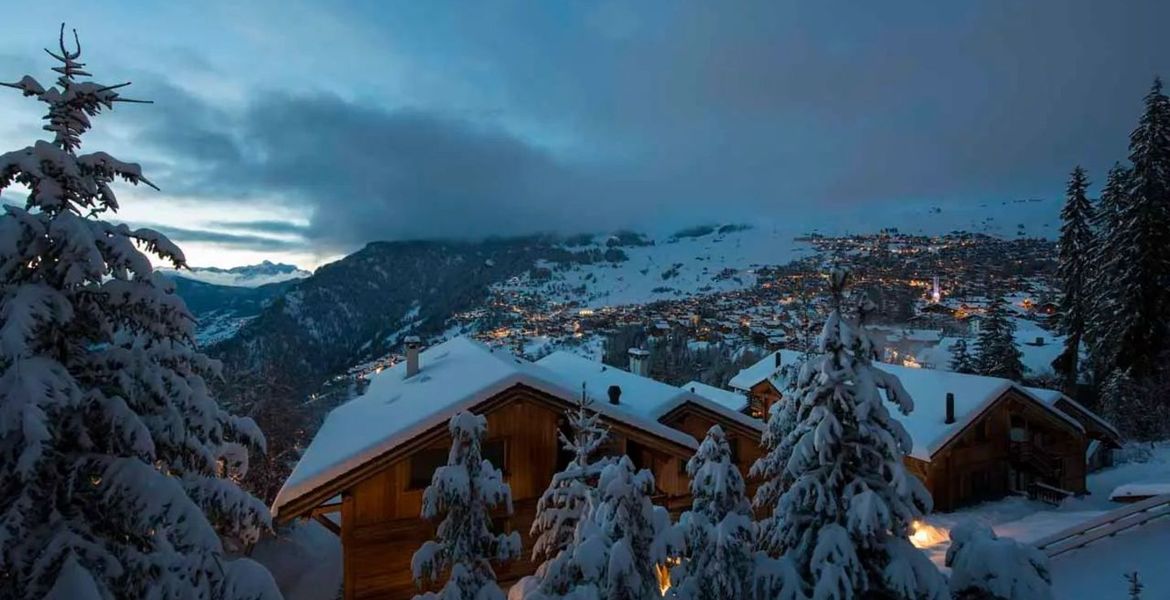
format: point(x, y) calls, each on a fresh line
point(363, 474)
point(975, 438)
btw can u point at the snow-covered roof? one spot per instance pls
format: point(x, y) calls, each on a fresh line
point(727, 398)
point(927, 425)
point(643, 396)
point(765, 368)
point(1142, 490)
point(456, 375)
point(1051, 397)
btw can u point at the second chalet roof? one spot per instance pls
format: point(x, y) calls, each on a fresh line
point(729, 399)
point(764, 368)
point(649, 398)
point(455, 375)
point(927, 424)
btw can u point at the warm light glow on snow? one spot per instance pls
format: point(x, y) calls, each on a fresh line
point(926, 535)
point(663, 573)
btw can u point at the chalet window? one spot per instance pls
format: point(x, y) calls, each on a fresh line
point(424, 463)
point(564, 455)
point(682, 467)
point(496, 451)
point(639, 455)
point(733, 443)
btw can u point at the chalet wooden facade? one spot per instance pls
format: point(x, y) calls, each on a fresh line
point(1015, 445)
point(979, 438)
point(374, 504)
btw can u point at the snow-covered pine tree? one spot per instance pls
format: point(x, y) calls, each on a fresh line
point(1075, 251)
point(997, 354)
point(1101, 326)
point(118, 469)
point(1141, 267)
point(618, 544)
point(987, 567)
point(634, 530)
point(463, 492)
point(845, 500)
point(563, 504)
point(961, 359)
point(718, 533)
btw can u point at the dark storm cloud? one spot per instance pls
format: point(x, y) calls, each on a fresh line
point(370, 174)
point(686, 112)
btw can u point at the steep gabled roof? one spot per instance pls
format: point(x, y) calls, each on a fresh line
point(456, 375)
point(642, 396)
point(1053, 398)
point(732, 400)
point(764, 369)
point(974, 395)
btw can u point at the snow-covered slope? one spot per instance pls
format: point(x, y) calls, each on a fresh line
point(662, 268)
point(712, 259)
point(246, 276)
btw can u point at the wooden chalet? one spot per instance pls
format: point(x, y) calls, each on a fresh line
point(979, 438)
point(760, 382)
point(364, 472)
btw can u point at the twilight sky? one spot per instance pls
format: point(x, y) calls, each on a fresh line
point(298, 130)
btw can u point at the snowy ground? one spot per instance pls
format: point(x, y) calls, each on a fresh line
point(305, 560)
point(1095, 571)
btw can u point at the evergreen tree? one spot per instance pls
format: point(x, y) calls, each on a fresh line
point(1141, 268)
point(464, 492)
point(1101, 328)
point(1075, 253)
point(617, 545)
point(117, 467)
point(563, 504)
point(997, 354)
point(987, 567)
point(845, 500)
point(718, 532)
point(961, 359)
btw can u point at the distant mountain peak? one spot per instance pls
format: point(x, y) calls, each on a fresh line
point(243, 276)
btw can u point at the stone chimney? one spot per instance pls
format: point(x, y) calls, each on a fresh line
point(639, 362)
point(413, 344)
point(615, 394)
point(950, 408)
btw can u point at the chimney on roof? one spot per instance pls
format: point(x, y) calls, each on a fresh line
point(778, 359)
point(413, 344)
point(615, 394)
point(639, 362)
point(950, 408)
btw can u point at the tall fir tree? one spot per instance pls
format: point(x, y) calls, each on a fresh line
point(118, 469)
point(961, 359)
point(1075, 251)
point(1141, 268)
point(616, 547)
point(464, 492)
point(718, 533)
point(1101, 327)
point(846, 500)
point(997, 354)
point(564, 503)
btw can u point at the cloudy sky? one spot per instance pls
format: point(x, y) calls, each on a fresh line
point(298, 130)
